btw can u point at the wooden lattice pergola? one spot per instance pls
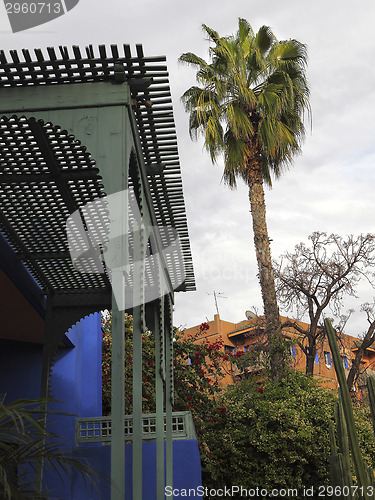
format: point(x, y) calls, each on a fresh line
point(76, 128)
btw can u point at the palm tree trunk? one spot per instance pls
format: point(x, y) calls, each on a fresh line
point(266, 274)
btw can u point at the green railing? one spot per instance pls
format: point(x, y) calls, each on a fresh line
point(98, 429)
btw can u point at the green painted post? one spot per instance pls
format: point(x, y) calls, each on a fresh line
point(44, 390)
point(118, 256)
point(113, 145)
point(117, 397)
point(169, 391)
point(140, 236)
point(159, 388)
point(137, 404)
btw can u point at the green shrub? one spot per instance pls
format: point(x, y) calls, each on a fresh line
point(270, 435)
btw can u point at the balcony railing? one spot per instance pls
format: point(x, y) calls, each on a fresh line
point(98, 429)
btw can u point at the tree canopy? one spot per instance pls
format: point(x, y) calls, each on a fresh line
point(250, 101)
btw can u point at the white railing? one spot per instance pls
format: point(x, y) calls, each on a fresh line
point(98, 429)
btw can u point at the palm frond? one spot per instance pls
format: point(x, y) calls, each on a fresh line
point(244, 30)
point(192, 59)
point(291, 51)
point(269, 99)
point(255, 86)
point(5, 487)
point(213, 139)
point(24, 442)
point(264, 40)
point(212, 34)
point(239, 121)
point(21, 413)
point(235, 159)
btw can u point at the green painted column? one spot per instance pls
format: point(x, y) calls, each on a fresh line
point(117, 398)
point(116, 258)
point(140, 237)
point(160, 396)
point(48, 353)
point(138, 331)
point(154, 320)
point(169, 389)
point(137, 402)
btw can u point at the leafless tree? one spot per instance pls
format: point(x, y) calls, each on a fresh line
point(318, 276)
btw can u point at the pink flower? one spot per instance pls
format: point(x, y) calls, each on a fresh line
point(204, 326)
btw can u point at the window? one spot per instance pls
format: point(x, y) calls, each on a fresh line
point(328, 359)
point(345, 362)
point(316, 358)
point(229, 349)
point(246, 348)
point(293, 351)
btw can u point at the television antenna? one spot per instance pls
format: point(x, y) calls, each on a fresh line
point(217, 295)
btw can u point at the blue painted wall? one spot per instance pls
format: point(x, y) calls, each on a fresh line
point(186, 470)
point(76, 378)
point(20, 369)
point(76, 382)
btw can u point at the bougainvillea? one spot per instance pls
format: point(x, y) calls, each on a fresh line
point(198, 368)
point(148, 371)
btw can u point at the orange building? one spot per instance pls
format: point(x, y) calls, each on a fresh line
point(248, 336)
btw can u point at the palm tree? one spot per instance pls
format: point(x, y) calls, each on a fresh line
point(249, 105)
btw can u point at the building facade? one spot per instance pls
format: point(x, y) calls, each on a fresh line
point(248, 336)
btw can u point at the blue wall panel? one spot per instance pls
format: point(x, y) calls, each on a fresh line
point(186, 469)
point(76, 383)
point(77, 374)
point(20, 370)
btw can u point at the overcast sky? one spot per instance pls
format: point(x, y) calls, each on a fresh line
point(330, 188)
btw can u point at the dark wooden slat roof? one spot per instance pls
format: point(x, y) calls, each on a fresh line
point(76, 179)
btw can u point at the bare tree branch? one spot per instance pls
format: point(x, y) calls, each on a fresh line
point(318, 276)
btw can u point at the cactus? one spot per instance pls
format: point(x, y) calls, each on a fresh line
point(339, 459)
point(345, 418)
point(342, 434)
point(371, 395)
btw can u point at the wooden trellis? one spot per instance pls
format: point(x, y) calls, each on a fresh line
point(74, 128)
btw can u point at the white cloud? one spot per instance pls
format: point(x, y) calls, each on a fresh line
point(331, 185)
